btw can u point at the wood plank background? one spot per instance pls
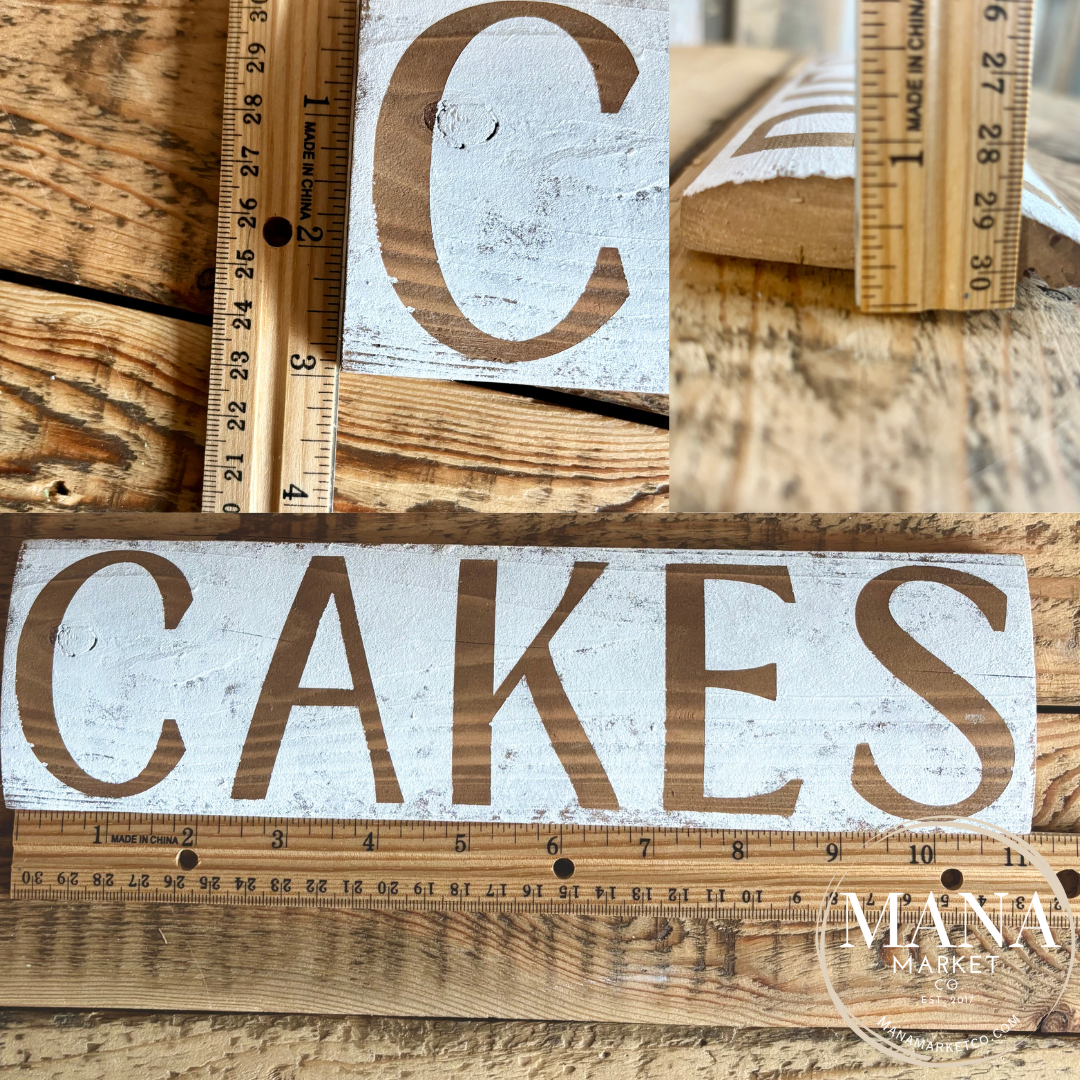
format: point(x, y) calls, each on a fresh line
point(109, 145)
point(96, 1045)
point(785, 397)
point(105, 408)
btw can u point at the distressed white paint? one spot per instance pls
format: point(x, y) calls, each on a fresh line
point(1048, 210)
point(518, 218)
point(831, 81)
point(118, 673)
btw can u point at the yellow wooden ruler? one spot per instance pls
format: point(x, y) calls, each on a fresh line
point(942, 118)
point(756, 875)
point(272, 413)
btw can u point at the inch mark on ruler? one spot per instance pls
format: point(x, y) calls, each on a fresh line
point(942, 122)
point(286, 140)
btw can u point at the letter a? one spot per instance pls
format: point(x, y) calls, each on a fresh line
point(326, 577)
point(476, 703)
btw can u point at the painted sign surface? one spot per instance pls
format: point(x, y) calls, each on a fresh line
point(807, 128)
point(509, 193)
point(717, 688)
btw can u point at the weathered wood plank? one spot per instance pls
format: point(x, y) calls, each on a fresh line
point(96, 1045)
point(104, 408)
point(558, 967)
point(787, 398)
point(1057, 773)
point(620, 969)
point(110, 128)
point(420, 444)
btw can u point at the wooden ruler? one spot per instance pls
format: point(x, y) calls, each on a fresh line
point(756, 875)
point(942, 119)
point(272, 413)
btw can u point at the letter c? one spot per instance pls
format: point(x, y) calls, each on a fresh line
point(401, 187)
point(34, 673)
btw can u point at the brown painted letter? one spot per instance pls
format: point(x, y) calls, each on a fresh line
point(401, 190)
point(937, 683)
point(326, 577)
point(475, 703)
point(34, 673)
point(687, 678)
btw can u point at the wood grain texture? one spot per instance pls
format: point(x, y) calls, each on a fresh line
point(103, 408)
point(642, 969)
point(98, 1045)
point(1048, 543)
point(421, 444)
point(110, 128)
point(787, 398)
point(646, 970)
point(1057, 773)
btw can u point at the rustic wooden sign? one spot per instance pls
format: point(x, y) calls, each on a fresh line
point(508, 218)
point(586, 685)
point(782, 187)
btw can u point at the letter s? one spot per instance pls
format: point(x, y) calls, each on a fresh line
point(936, 683)
point(401, 188)
point(34, 673)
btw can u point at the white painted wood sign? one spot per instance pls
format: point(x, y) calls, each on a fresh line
point(508, 219)
point(807, 128)
point(747, 689)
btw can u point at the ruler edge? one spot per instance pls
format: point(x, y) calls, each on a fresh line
point(222, 287)
point(1014, 261)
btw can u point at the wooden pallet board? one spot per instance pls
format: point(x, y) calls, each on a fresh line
point(104, 408)
point(787, 398)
